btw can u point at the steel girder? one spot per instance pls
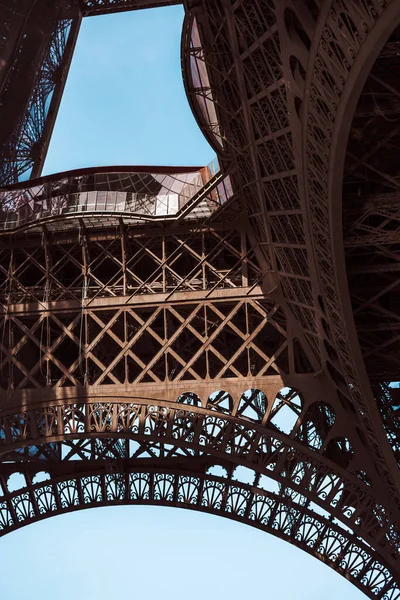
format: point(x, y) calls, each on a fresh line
point(277, 77)
point(135, 359)
point(249, 504)
point(36, 49)
point(175, 351)
point(284, 186)
point(156, 307)
point(38, 44)
point(102, 7)
point(240, 466)
point(371, 230)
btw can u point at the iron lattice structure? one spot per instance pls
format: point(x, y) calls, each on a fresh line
point(223, 338)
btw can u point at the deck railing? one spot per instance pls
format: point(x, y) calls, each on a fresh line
point(20, 207)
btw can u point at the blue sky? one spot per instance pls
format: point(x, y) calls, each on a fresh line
point(124, 103)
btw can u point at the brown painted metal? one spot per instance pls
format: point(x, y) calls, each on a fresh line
point(234, 356)
point(99, 7)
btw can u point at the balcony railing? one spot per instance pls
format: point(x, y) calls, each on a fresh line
point(21, 207)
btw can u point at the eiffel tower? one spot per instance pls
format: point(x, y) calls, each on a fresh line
point(223, 338)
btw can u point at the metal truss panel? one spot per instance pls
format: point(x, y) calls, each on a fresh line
point(36, 67)
point(217, 358)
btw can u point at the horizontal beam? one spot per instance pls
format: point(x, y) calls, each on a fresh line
point(92, 8)
point(149, 392)
point(374, 268)
point(194, 464)
point(109, 303)
point(373, 237)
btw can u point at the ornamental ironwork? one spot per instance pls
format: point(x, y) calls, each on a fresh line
point(220, 338)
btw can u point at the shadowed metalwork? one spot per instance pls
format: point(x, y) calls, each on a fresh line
point(221, 338)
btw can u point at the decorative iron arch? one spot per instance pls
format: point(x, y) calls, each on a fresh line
point(276, 514)
point(168, 436)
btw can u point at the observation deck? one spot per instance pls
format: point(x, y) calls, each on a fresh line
point(105, 196)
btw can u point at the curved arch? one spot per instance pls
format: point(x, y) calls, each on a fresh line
point(251, 505)
point(379, 35)
point(349, 58)
point(363, 64)
point(168, 431)
point(197, 84)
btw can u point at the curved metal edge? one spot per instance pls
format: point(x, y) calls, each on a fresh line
point(212, 433)
point(360, 392)
point(146, 169)
point(125, 216)
point(358, 75)
point(232, 499)
point(187, 80)
point(166, 408)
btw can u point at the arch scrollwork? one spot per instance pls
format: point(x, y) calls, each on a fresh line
point(251, 505)
point(256, 452)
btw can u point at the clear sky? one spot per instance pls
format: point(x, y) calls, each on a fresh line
point(124, 103)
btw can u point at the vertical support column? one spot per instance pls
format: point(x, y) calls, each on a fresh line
point(47, 298)
point(243, 252)
point(33, 64)
point(123, 255)
point(24, 62)
point(86, 283)
point(164, 258)
point(60, 81)
point(13, 16)
point(203, 261)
